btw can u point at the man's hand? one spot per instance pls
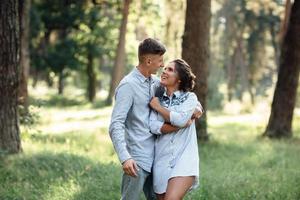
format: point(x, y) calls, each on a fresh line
point(189, 123)
point(130, 167)
point(197, 114)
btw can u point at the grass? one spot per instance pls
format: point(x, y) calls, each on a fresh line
point(68, 155)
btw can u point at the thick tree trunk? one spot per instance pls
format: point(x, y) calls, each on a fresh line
point(195, 50)
point(24, 53)
point(119, 65)
point(280, 121)
point(9, 77)
point(91, 88)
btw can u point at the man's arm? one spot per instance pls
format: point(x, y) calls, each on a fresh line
point(123, 102)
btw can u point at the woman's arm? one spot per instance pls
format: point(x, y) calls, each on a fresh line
point(177, 118)
point(169, 128)
point(155, 105)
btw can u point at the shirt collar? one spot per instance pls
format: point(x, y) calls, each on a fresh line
point(175, 94)
point(141, 77)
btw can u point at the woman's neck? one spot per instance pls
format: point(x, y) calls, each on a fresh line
point(171, 90)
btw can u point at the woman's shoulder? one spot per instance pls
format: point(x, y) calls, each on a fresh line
point(191, 95)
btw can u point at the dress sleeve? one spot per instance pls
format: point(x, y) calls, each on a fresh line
point(185, 111)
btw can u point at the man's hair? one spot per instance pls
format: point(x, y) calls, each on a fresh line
point(150, 46)
point(186, 76)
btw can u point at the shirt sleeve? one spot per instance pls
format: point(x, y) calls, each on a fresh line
point(184, 112)
point(155, 123)
point(123, 102)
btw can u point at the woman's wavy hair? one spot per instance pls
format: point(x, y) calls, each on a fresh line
point(185, 74)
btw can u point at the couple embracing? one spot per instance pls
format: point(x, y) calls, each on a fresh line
point(152, 127)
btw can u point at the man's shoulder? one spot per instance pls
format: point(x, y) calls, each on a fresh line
point(128, 82)
point(129, 79)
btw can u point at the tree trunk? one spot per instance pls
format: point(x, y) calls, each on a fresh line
point(231, 74)
point(285, 22)
point(119, 64)
point(244, 71)
point(280, 121)
point(229, 64)
point(277, 38)
point(195, 50)
point(91, 88)
point(61, 83)
point(9, 77)
point(24, 53)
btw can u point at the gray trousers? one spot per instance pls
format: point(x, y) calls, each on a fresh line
point(133, 186)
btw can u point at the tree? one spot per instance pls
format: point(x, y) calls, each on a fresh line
point(195, 50)
point(96, 40)
point(119, 65)
point(246, 30)
point(9, 76)
point(24, 53)
point(280, 121)
point(54, 48)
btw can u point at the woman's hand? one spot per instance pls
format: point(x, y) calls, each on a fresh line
point(154, 103)
point(189, 123)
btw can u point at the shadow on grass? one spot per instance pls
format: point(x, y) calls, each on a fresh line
point(58, 101)
point(99, 104)
point(66, 101)
point(58, 176)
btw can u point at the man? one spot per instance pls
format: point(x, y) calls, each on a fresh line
point(129, 129)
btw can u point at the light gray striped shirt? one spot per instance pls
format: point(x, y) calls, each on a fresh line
point(129, 128)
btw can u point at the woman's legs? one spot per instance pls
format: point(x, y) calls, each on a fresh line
point(178, 187)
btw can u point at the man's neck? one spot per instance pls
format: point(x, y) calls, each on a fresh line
point(144, 70)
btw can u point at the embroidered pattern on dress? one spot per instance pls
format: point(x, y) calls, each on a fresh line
point(165, 101)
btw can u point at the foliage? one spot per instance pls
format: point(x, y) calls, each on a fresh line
point(65, 32)
point(28, 117)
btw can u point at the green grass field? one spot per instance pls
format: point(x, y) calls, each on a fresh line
point(69, 155)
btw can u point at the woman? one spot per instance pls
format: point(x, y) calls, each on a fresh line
point(176, 162)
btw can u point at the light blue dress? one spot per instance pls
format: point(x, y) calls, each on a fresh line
point(176, 154)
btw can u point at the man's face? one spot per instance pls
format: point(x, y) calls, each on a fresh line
point(155, 62)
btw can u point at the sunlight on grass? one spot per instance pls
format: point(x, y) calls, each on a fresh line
point(61, 188)
point(61, 121)
point(69, 155)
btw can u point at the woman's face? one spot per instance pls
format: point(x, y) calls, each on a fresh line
point(169, 76)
